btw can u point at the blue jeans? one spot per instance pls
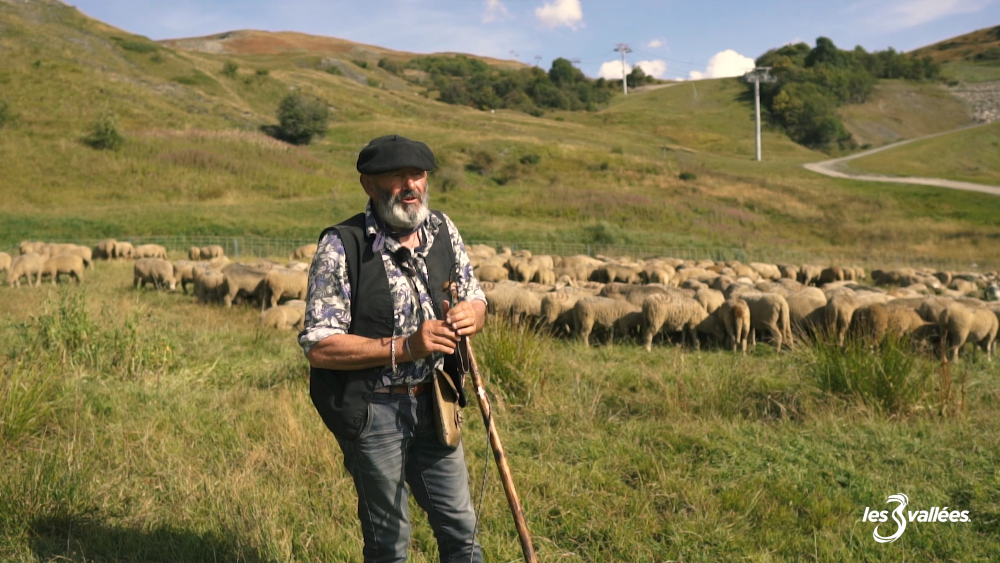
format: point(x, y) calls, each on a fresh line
point(398, 446)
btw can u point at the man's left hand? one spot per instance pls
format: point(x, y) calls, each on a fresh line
point(466, 318)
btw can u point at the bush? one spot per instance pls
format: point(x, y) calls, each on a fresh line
point(530, 159)
point(334, 70)
point(604, 233)
point(389, 65)
point(230, 69)
point(135, 46)
point(362, 64)
point(482, 163)
point(7, 115)
point(688, 176)
point(262, 72)
point(104, 133)
point(301, 118)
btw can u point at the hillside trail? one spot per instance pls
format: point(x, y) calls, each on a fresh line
point(828, 168)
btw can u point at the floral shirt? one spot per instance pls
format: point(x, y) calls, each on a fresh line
point(328, 304)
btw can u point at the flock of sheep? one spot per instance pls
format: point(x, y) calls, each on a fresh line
point(729, 302)
point(725, 302)
point(280, 290)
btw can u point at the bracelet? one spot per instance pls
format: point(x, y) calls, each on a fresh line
point(406, 345)
point(392, 353)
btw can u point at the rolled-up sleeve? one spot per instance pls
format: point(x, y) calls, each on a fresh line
point(328, 302)
point(468, 286)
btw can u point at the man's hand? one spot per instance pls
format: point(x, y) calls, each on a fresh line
point(466, 318)
point(432, 336)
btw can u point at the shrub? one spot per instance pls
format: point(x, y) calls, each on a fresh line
point(334, 70)
point(230, 69)
point(883, 375)
point(389, 65)
point(6, 113)
point(104, 133)
point(301, 118)
point(688, 176)
point(507, 174)
point(360, 63)
point(157, 57)
point(482, 163)
point(135, 46)
point(530, 159)
point(604, 233)
point(262, 72)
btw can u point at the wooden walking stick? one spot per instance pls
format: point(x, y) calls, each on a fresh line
point(498, 453)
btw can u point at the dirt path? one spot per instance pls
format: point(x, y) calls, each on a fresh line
point(829, 168)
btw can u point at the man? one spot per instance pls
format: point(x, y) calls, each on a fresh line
point(377, 325)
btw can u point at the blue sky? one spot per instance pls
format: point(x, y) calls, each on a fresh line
point(671, 38)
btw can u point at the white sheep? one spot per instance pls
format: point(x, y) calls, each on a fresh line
point(599, 312)
point(670, 313)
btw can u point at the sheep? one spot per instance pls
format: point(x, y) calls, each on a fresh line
point(208, 284)
point(491, 273)
point(242, 280)
point(123, 250)
point(557, 307)
point(84, 252)
point(211, 251)
point(149, 251)
point(877, 320)
point(156, 271)
point(5, 261)
point(671, 314)
point(184, 272)
point(64, 264)
point(809, 274)
point(840, 309)
point(304, 252)
point(288, 316)
point(599, 312)
point(960, 324)
point(806, 310)
point(992, 292)
point(634, 294)
point(770, 312)
point(282, 282)
point(513, 301)
point(965, 287)
point(105, 250)
point(297, 266)
point(26, 265)
point(788, 271)
point(521, 269)
point(710, 299)
point(194, 253)
point(768, 271)
point(735, 317)
point(545, 276)
point(27, 247)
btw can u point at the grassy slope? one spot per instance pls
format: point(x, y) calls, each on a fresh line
point(904, 110)
point(172, 431)
point(963, 47)
point(971, 156)
point(194, 164)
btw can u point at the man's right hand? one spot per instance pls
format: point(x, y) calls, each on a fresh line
point(433, 336)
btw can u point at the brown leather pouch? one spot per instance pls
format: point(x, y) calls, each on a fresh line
point(447, 412)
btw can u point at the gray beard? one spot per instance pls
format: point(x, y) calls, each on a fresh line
point(393, 212)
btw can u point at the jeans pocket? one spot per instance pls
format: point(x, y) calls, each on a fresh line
point(367, 426)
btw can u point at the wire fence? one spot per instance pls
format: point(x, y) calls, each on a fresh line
point(268, 247)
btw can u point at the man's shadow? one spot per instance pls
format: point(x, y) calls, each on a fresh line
point(90, 538)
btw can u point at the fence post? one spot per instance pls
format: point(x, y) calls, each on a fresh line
point(236, 245)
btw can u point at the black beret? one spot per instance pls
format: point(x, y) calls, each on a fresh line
point(393, 152)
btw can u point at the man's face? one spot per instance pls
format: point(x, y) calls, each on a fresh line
point(400, 196)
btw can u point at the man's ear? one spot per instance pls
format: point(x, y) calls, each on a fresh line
point(369, 185)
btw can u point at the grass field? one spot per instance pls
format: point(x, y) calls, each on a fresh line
point(904, 110)
point(140, 426)
point(970, 156)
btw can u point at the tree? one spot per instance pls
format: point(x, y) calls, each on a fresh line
point(230, 69)
point(564, 73)
point(301, 118)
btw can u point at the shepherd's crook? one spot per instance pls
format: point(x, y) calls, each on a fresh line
point(501, 458)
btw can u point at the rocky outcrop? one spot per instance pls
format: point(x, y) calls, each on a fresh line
point(984, 99)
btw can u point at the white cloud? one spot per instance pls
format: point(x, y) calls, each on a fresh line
point(902, 14)
point(656, 68)
point(612, 70)
point(561, 13)
point(725, 64)
point(495, 11)
point(654, 44)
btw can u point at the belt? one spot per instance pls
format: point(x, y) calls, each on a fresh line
point(411, 390)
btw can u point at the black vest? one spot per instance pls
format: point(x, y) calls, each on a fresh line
point(342, 397)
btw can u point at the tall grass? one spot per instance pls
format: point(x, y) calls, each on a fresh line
point(886, 375)
point(511, 357)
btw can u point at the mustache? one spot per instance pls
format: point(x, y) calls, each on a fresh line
point(398, 198)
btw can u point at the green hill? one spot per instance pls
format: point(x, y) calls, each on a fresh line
point(195, 162)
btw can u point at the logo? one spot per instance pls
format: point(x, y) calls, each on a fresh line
point(902, 516)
